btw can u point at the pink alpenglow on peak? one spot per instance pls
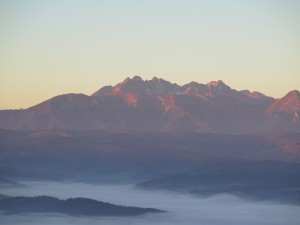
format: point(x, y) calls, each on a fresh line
point(159, 105)
point(289, 103)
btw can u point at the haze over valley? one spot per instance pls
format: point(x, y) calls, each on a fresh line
point(181, 208)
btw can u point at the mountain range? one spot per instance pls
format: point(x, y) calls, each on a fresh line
point(255, 166)
point(159, 105)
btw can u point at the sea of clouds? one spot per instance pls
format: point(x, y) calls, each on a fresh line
point(181, 208)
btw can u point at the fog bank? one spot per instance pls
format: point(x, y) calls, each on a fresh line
point(182, 208)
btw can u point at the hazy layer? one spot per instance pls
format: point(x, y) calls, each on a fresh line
point(182, 208)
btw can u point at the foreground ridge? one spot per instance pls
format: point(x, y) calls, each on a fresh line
point(71, 206)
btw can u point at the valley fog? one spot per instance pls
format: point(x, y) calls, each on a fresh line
point(181, 208)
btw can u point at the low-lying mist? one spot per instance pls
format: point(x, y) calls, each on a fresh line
point(181, 208)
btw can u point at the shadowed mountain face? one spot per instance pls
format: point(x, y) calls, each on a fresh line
point(100, 156)
point(264, 167)
point(158, 105)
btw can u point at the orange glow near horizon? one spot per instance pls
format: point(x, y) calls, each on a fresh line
point(56, 47)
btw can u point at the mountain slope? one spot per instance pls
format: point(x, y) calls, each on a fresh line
point(284, 113)
point(96, 155)
point(257, 166)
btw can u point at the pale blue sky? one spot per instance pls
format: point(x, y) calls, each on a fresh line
point(61, 46)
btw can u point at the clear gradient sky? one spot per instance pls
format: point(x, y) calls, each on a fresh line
point(54, 47)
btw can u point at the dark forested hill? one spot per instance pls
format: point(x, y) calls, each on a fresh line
point(71, 206)
point(265, 180)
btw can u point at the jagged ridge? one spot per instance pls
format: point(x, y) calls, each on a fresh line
point(159, 105)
